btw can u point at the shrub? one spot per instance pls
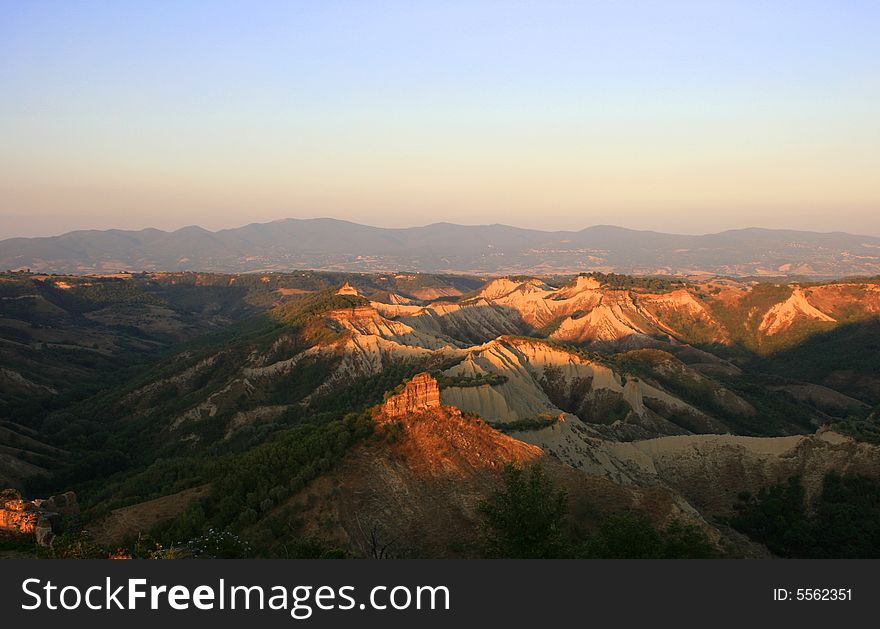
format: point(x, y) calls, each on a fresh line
point(632, 535)
point(76, 544)
point(216, 544)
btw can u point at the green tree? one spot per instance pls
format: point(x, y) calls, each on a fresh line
point(525, 519)
point(777, 517)
point(843, 521)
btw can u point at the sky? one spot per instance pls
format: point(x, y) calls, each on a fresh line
point(678, 116)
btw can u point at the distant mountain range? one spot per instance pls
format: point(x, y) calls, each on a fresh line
point(329, 244)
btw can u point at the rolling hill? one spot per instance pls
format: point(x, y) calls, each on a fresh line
point(335, 245)
point(287, 407)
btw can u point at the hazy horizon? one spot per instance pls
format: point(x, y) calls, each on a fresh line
point(679, 117)
point(3, 236)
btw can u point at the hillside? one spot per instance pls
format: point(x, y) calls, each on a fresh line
point(274, 405)
point(65, 339)
point(412, 488)
point(334, 245)
point(415, 489)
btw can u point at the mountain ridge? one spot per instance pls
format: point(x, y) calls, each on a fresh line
point(337, 245)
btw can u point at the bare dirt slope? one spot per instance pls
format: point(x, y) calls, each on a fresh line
point(127, 522)
point(710, 471)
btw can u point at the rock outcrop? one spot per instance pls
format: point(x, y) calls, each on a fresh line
point(348, 289)
point(17, 515)
point(419, 394)
point(64, 504)
point(40, 518)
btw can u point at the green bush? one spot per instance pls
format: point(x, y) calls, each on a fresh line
point(214, 544)
point(76, 544)
point(860, 428)
point(632, 535)
point(483, 379)
point(524, 425)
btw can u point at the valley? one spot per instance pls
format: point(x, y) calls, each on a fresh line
point(316, 412)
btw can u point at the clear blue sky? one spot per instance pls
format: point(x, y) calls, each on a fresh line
point(686, 116)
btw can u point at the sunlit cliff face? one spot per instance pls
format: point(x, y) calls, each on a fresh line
point(421, 393)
